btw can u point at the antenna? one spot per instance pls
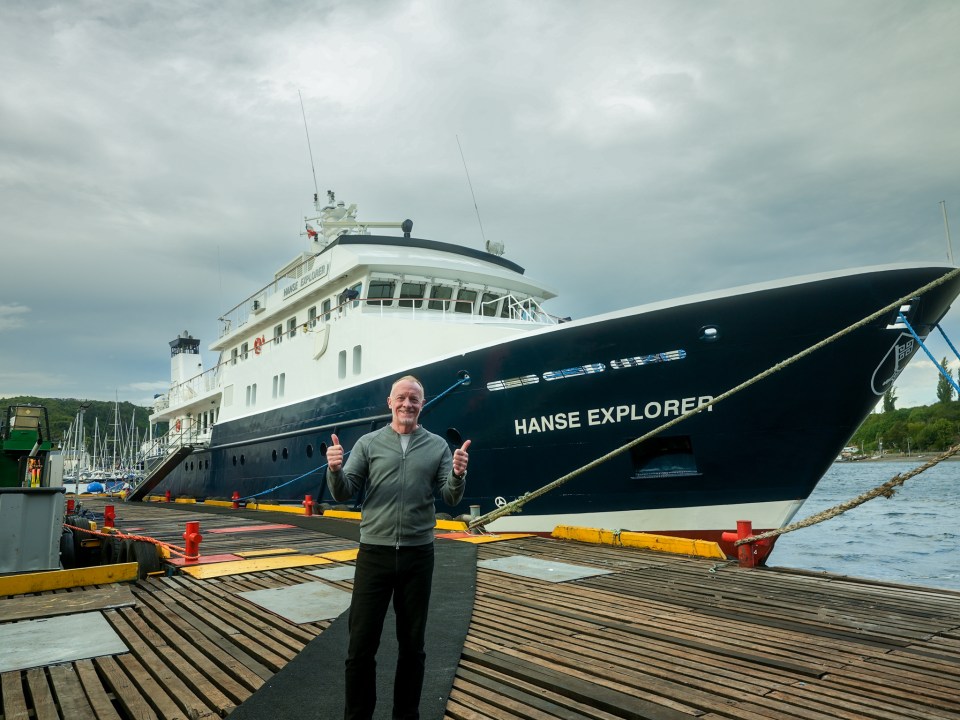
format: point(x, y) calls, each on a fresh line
point(946, 227)
point(471, 190)
point(316, 190)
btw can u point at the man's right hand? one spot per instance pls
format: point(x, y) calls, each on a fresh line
point(335, 455)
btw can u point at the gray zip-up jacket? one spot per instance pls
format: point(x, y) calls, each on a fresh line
point(398, 505)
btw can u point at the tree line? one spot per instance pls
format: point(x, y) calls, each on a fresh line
point(928, 428)
point(62, 412)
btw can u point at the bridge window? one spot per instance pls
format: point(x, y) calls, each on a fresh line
point(488, 304)
point(440, 293)
point(378, 291)
point(413, 291)
point(292, 326)
point(465, 300)
point(326, 310)
point(278, 334)
point(312, 316)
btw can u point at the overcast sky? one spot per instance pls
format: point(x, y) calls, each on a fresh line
point(155, 171)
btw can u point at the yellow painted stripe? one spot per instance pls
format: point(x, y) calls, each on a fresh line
point(664, 543)
point(344, 514)
point(59, 579)
point(448, 525)
point(236, 567)
point(480, 539)
point(185, 501)
point(451, 525)
point(218, 503)
point(341, 555)
point(294, 509)
point(265, 553)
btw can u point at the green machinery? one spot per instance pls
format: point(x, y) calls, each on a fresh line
point(26, 449)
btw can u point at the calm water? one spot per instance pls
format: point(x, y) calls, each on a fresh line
point(912, 538)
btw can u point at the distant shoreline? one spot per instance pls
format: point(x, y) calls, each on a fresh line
point(896, 458)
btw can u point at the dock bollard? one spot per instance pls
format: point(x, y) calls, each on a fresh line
point(308, 506)
point(71, 504)
point(236, 500)
point(166, 496)
point(109, 515)
point(191, 541)
point(745, 556)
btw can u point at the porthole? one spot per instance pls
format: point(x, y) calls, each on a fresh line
point(285, 453)
point(309, 451)
point(243, 460)
point(274, 455)
point(234, 460)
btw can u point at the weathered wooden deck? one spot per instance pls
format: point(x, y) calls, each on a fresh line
point(660, 636)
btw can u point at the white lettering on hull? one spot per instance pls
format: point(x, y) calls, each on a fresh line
point(612, 415)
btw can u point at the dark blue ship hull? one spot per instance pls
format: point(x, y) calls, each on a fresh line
point(543, 404)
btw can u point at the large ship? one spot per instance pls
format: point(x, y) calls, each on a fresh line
point(315, 351)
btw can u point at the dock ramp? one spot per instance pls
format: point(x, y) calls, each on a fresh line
point(159, 472)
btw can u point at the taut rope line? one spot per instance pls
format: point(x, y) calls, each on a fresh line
point(887, 490)
point(518, 504)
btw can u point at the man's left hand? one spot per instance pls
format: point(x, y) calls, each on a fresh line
point(460, 459)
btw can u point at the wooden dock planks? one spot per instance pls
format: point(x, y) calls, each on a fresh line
point(661, 638)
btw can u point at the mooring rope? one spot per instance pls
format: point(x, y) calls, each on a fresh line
point(174, 549)
point(887, 490)
point(518, 504)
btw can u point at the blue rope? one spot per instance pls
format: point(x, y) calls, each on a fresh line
point(948, 341)
point(288, 482)
point(465, 379)
point(461, 381)
point(939, 367)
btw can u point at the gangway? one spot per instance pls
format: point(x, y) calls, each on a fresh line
point(159, 472)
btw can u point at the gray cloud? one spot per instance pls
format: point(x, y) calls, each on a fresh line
point(154, 168)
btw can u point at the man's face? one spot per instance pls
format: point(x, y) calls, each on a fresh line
point(405, 402)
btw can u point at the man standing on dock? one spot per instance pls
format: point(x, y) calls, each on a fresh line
point(400, 468)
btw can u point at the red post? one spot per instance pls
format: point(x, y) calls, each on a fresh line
point(745, 551)
point(236, 500)
point(167, 496)
point(71, 504)
point(308, 506)
point(109, 515)
point(191, 541)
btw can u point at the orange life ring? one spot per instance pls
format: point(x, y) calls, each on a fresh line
point(257, 344)
point(178, 426)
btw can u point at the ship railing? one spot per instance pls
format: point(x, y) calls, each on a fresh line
point(196, 386)
point(293, 277)
point(162, 445)
point(513, 309)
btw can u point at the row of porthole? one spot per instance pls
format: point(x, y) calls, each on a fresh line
point(205, 464)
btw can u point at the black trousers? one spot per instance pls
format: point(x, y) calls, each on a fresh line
point(404, 574)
